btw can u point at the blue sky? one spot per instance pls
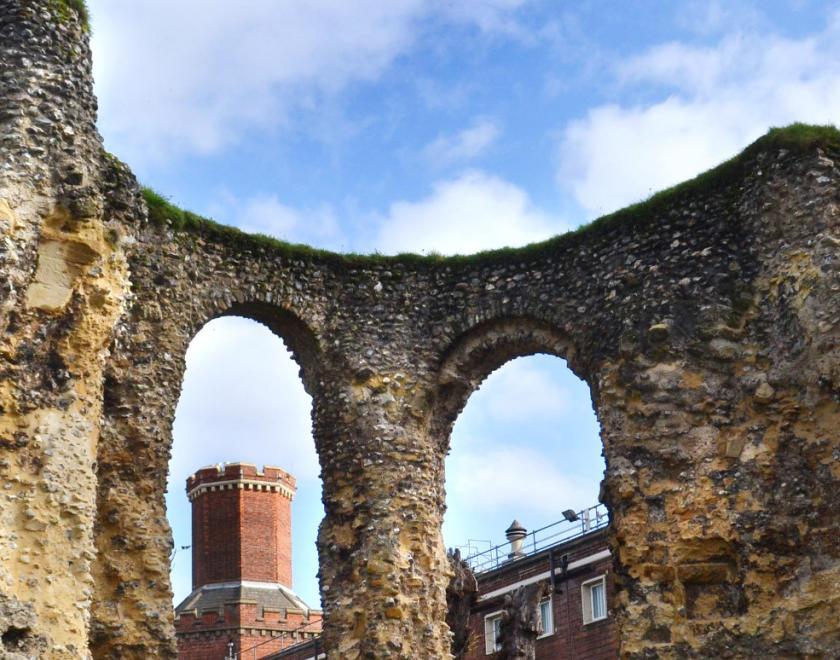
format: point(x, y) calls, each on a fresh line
point(418, 125)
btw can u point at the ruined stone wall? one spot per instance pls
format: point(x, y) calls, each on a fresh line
point(710, 342)
point(696, 355)
point(63, 286)
point(706, 325)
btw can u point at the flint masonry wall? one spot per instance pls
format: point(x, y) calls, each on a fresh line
point(63, 286)
point(707, 325)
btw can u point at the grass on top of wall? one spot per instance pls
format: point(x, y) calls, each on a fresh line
point(794, 138)
point(64, 8)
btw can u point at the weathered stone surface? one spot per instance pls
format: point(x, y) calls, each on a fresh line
point(708, 331)
point(64, 285)
point(461, 595)
point(521, 623)
point(18, 639)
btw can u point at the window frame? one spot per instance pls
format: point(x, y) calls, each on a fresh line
point(547, 630)
point(586, 599)
point(488, 619)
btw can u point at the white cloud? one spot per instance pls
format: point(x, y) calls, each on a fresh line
point(191, 76)
point(617, 155)
point(462, 146)
point(522, 391)
point(266, 214)
point(514, 479)
point(473, 212)
point(712, 102)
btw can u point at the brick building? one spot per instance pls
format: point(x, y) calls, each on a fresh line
point(311, 649)
point(573, 556)
point(242, 604)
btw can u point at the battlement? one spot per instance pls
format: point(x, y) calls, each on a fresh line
point(240, 476)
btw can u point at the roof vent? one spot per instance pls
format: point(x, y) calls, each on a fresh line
point(516, 535)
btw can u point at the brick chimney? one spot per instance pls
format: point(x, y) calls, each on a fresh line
point(241, 524)
point(242, 566)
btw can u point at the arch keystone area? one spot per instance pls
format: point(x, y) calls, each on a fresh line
point(706, 322)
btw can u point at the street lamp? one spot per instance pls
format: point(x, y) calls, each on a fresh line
point(570, 515)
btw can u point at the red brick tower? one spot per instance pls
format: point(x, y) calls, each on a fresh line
point(242, 604)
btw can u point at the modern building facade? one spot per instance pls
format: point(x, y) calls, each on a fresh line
point(242, 604)
point(573, 559)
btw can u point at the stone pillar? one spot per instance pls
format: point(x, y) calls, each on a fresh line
point(384, 568)
point(722, 457)
point(63, 286)
point(132, 614)
point(670, 503)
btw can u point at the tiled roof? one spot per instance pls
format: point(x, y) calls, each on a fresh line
point(268, 595)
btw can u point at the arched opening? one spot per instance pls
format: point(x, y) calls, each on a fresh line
point(523, 478)
point(243, 401)
point(525, 447)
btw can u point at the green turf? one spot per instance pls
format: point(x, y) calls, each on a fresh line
point(67, 8)
point(794, 138)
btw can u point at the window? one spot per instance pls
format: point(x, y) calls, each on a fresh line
point(593, 595)
point(546, 618)
point(492, 632)
point(493, 627)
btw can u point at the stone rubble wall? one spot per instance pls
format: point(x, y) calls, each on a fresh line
point(64, 285)
point(709, 334)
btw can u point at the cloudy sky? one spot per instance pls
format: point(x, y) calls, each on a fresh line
point(417, 125)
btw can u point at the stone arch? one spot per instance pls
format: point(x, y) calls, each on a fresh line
point(706, 321)
point(482, 349)
point(140, 395)
point(290, 328)
point(487, 347)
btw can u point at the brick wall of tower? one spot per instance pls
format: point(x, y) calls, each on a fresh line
point(215, 537)
point(242, 521)
point(265, 530)
point(255, 634)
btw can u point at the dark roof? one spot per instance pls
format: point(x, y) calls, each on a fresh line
point(267, 595)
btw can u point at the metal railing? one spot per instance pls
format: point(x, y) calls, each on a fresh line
point(588, 520)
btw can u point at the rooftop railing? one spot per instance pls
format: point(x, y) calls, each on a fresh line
point(588, 520)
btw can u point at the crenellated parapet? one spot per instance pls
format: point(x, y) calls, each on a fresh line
point(240, 476)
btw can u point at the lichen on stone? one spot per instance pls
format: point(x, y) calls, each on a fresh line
point(69, 9)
